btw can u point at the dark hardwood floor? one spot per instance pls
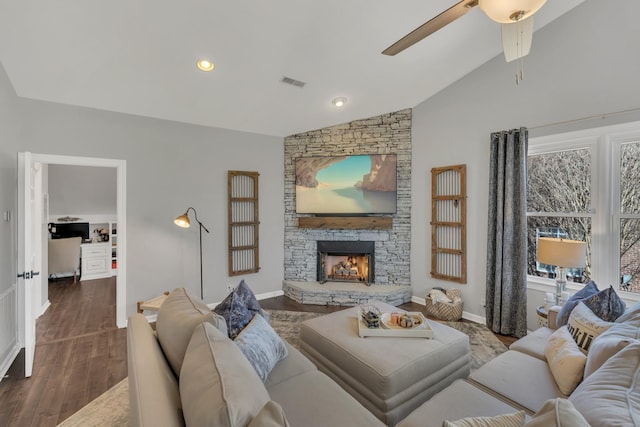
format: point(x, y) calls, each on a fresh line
point(80, 353)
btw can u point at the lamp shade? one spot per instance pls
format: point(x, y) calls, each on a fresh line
point(183, 221)
point(509, 11)
point(562, 252)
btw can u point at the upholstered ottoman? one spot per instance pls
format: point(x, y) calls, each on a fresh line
point(389, 376)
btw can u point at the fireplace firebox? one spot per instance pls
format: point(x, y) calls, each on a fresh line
point(346, 261)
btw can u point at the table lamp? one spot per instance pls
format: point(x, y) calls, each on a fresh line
point(183, 221)
point(561, 253)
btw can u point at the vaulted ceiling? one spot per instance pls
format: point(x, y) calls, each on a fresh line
point(139, 57)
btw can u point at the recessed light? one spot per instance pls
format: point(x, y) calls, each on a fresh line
point(204, 65)
point(339, 102)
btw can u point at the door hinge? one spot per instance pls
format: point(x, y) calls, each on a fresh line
point(29, 274)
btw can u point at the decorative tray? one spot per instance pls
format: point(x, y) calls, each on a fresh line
point(421, 330)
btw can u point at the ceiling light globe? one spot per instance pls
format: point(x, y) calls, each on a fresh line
point(503, 11)
point(339, 102)
point(204, 65)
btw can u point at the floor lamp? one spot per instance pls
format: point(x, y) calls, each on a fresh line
point(562, 253)
point(183, 221)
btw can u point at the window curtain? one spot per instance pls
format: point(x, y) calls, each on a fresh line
point(506, 292)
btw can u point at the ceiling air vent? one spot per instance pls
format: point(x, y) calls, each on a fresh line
point(293, 82)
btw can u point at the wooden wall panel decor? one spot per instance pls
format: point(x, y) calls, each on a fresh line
point(449, 223)
point(243, 230)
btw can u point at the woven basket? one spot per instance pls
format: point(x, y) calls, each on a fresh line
point(445, 310)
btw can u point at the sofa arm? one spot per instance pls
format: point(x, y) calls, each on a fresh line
point(552, 316)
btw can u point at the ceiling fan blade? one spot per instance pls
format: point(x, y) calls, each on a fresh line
point(448, 16)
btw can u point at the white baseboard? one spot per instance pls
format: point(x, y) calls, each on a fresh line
point(6, 363)
point(44, 308)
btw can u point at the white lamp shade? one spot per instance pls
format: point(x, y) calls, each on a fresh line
point(562, 252)
point(503, 10)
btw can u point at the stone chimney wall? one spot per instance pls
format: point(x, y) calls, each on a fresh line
point(386, 134)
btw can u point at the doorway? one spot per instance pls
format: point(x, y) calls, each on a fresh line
point(26, 304)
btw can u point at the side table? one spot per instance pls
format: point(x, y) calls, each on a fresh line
point(152, 304)
point(542, 316)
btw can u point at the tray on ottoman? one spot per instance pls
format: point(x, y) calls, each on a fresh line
point(387, 329)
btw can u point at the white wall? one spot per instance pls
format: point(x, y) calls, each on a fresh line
point(170, 166)
point(82, 190)
point(580, 65)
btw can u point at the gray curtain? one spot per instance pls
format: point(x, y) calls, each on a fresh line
point(506, 296)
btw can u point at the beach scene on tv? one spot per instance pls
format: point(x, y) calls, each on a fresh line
point(358, 184)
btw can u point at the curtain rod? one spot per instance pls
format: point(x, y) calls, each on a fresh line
point(598, 116)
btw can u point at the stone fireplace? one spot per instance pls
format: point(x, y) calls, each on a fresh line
point(346, 261)
point(388, 265)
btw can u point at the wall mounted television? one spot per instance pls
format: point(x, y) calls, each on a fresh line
point(346, 185)
point(70, 229)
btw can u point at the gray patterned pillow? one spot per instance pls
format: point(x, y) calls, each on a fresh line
point(606, 304)
point(238, 308)
point(261, 345)
point(563, 316)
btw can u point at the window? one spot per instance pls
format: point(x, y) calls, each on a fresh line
point(586, 186)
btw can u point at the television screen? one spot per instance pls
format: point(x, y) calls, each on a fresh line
point(342, 185)
point(70, 229)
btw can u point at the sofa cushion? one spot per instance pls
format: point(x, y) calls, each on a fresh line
point(261, 345)
point(177, 317)
point(633, 313)
point(585, 326)
point(566, 360)
point(238, 309)
point(557, 413)
point(520, 378)
point(609, 396)
point(218, 386)
point(154, 396)
point(312, 399)
point(271, 415)
point(563, 316)
point(507, 420)
point(606, 304)
point(609, 343)
point(294, 364)
point(460, 400)
point(533, 343)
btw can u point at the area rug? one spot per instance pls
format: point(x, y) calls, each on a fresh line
point(112, 407)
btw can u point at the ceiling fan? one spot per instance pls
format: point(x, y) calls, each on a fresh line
point(514, 15)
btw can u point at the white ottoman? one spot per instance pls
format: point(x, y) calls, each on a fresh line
point(389, 376)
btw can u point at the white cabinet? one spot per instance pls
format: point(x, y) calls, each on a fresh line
point(96, 260)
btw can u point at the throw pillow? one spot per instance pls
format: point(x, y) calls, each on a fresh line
point(557, 413)
point(606, 304)
point(563, 316)
point(609, 397)
point(238, 309)
point(632, 314)
point(177, 317)
point(585, 326)
point(508, 420)
point(566, 361)
point(609, 343)
point(218, 387)
point(271, 415)
point(261, 345)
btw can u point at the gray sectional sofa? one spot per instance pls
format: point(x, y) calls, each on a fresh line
point(521, 380)
point(215, 385)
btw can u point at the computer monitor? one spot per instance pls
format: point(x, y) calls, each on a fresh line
point(69, 229)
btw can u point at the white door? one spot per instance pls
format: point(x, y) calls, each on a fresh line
point(28, 264)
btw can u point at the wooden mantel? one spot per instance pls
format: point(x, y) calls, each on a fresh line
point(347, 222)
